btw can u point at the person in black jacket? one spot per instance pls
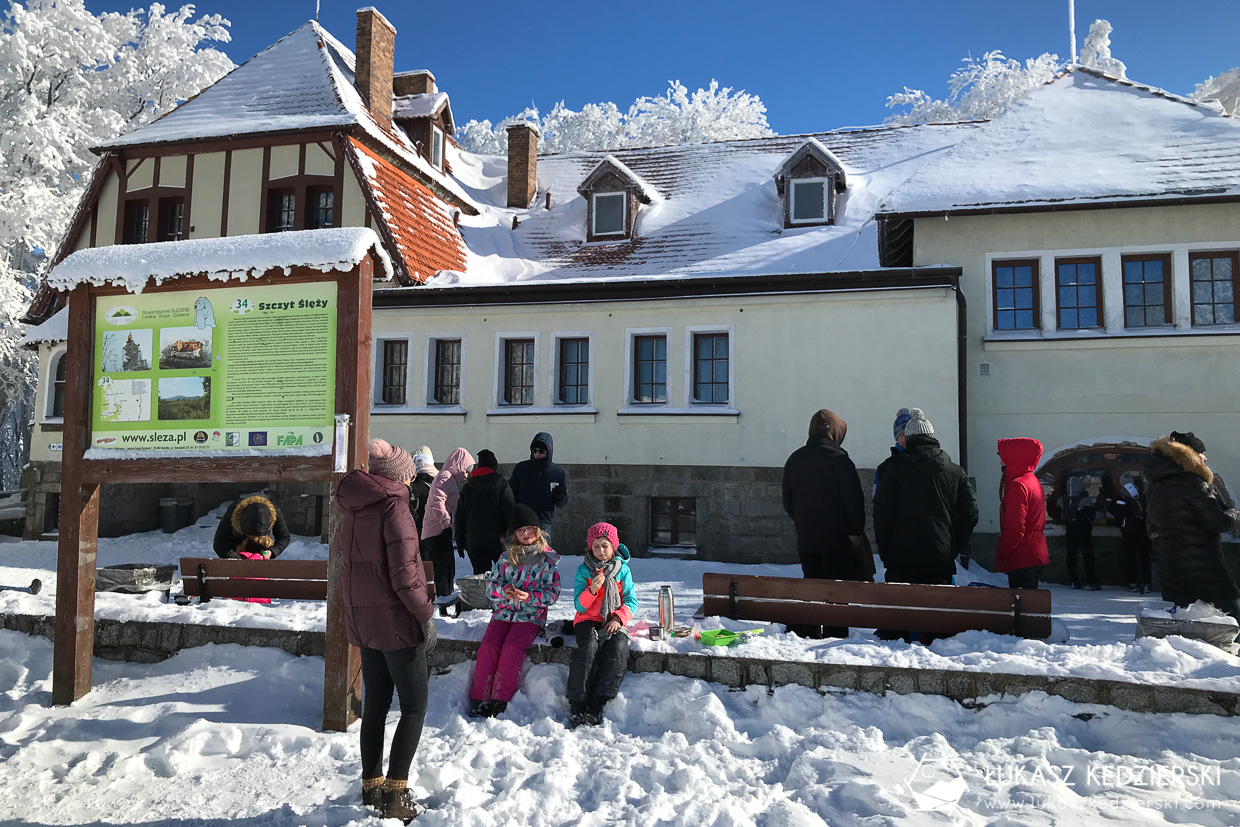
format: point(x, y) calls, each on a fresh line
point(1185, 519)
point(420, 486)
point(822, 494)
point(483, 513)
point(1130, 510)
point(1078, 513)
point(252, 526)
point(538, 482)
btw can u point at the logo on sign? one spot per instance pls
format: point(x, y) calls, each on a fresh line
point(121, 314)
point(289, 439)
point(200, 437)
point(232, 439)
point(258, 438)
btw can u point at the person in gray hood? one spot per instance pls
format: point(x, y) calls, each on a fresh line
point(538, 482)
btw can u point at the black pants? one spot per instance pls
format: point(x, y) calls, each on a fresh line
point(826, 566)
point(481, 559)
point(598, 664)
point(1137, 551)
point(405, 671)
point(438, 550)
point(1080, 536)
point(1026, 578)
point(896, 576)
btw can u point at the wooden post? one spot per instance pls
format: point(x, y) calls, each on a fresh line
point(79, 515)
point(342, 700)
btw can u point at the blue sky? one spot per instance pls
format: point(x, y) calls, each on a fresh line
point(816, 65)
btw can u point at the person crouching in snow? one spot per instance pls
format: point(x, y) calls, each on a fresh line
point(605, 604)
point(522, 584)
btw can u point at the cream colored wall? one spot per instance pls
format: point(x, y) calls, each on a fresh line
point(318, 162)
point(245, 191)
point(140, 173)
point(41, 441)
point(1065, 390)
point(172, 171)
point(353, 202)
point(863, 355)
point(208, 207)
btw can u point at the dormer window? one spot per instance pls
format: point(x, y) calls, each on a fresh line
point(609, 212)
point(436, 147)
point(613, 194)
point(809, 182)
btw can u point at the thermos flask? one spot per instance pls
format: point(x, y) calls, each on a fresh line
point(667, 609)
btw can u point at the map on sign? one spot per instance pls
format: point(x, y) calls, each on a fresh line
point(124, 400)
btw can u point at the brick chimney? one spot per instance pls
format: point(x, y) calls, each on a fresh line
point(417, 82)
point(376, 57)
point(522, 164)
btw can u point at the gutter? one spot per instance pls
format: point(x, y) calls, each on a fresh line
point(962, 371)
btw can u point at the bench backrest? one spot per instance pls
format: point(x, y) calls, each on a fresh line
point(285, 579)
point(938, 610)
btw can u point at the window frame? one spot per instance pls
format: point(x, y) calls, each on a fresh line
point(557, 367)
point(378, 371)
point(675, 511)
point(437, 147)
point(631, 372)
point(827, 185)
point(1168, 277)
point(312, 210)
point(431, 369)
point(1098, 293)
point(386, 373)
point(129, 221)
point(272, 224)
point(55, 362)
point(501, 368)
point(164, 219)
point(624, 214)
point(994, 293)
point(691, 366)
point(1234, 255)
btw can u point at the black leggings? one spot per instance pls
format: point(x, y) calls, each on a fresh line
point(405, 671)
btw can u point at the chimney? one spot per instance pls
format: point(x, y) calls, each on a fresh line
point(522, 163)
point(376, 56)
point(417, 82)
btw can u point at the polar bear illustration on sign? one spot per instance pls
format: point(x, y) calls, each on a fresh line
point(204, 314)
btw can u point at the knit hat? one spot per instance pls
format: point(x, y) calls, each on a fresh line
point(603, 530)
point(256, 519)
point(391, 461)
point(897, 427)
point(917, 425)
point(423, 459)
point(486, 459)
point(1190, 439)
point(522, 516)
point(825, 423)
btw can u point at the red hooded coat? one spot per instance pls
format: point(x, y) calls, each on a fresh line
point(1022, 509)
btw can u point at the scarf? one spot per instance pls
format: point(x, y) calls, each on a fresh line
point(527, 556)
point(611, 569)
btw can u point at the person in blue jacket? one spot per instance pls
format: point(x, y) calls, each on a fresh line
point(538, 482)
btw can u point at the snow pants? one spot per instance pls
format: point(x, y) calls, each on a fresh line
point(1080, 537)
point(498, 670)
point(402, 670)
point(598, 664)
point(1026, 578)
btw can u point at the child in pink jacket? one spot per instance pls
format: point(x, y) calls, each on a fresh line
point(437, 521)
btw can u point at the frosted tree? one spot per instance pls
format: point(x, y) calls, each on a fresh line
point(1223, 90)
point(68, 81)
point(675, 117)
point(981, 89)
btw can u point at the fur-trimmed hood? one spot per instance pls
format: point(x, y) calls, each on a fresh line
point(239, 513)
point(1184, 458)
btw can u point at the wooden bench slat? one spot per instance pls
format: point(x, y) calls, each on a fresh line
point(1033, 601)
point(282, 589)
point(284, 579)
point(282, 569)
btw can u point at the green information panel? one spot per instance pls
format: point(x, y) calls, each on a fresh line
point(234, 369)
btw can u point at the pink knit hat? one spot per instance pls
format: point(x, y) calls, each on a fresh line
point(603, 530)
point(391, 461)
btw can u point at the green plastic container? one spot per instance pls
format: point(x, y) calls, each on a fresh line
point(724, 637)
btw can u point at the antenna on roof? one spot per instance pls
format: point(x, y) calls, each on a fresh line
point(1072, 27)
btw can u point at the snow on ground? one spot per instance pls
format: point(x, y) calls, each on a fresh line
point(1095, 630)
point(228, 735)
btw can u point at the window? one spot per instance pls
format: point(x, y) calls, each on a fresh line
point(1016, 295)
point(809, 201)
point(710, 368)
point(1147, 290)
point(609, 213)
point(650, 369)
point(322, 203)
point(1214, 287)
point(573, 387)
point(446, 372)
point(437, 147)
point(395, 371)
point(281, 211)
point(60, 366)
point(171, 219)
point(1077, 283)
point(673, 521)
point(518, 371)
point(137, 222)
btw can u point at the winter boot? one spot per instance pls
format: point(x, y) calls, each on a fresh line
point(594, 714)
point(398, 802)
point(372, 792)
point(492, 708)
point(576, 715)
point(477, 709)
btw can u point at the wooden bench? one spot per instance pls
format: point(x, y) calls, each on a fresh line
point(208, 577)
point(934, 610)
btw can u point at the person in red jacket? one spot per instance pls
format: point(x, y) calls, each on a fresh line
point(1022, 550)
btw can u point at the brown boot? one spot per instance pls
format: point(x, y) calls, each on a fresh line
point(398, 802)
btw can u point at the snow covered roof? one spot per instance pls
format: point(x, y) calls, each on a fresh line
point(719, 214)
point(134, 266)
point(645, 193)
point(419, 106)
point(55, 329)
point(1085, 137)
point(813, 146)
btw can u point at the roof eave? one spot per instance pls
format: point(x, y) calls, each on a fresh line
point(1066, 206)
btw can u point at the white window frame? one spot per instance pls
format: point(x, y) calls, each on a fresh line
point(691, 357)
point(624, 213)
point(428, 371)
point(501, 367)
point(376, 370)
point(630, 337)
point(826, 201)
point(556, 338)
point(49, 393)
point(437, 147)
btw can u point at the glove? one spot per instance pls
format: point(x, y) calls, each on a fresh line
point(431, 636)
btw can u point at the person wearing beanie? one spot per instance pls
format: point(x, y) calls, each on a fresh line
point(897, 434)
point(420, 486)
point(822, 494)
point(1186, 519)
point(252, 528)
point(1129, 510)
point(924, 510)
point(483, 513)
point(441, 504)
point(538, 482)
point(522, 585)
point(388, 616)
point(1022, 552)
point(605, 599)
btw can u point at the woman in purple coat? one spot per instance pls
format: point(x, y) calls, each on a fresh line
point(388, 615)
